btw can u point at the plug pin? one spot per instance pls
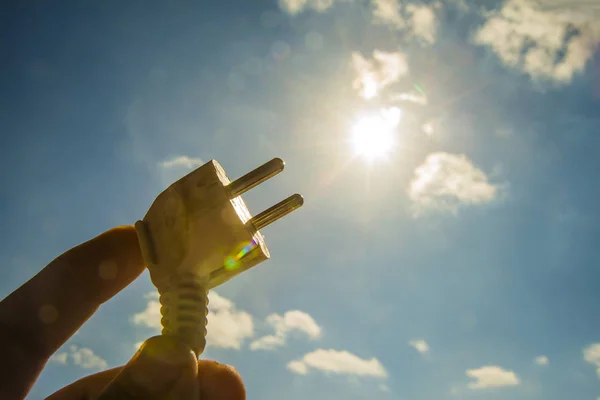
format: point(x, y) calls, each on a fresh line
point(277, 211)
point(255, 177)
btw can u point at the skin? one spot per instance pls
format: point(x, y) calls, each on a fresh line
point(40, 316)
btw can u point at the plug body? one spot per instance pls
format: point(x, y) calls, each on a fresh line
point(198, 234)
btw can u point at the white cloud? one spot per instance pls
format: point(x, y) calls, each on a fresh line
point(217, 302)
point(416, 19)
point(445, 181)
point(81, 356)
point(182, 161)
point(591, 354)
point(420, 345)
point(85, 358)
point(227, 327)
point(150, 317)
point(531, 36)
point(291, 321)
point(373, 75)
point(423, 22)
point(337, 362)
point(59, 358)
point(388, 12)
point(298, 367)
point(268, 342)
point(152, 295)
point(491, 376)
point(542, 360)
point(297, 6)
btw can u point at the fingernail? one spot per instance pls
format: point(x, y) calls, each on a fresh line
point(154, 370)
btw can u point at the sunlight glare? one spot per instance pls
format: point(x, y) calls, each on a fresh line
point(369, 87)
point(373, 135)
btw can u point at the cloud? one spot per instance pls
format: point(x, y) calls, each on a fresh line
point(227, 327)
point(491, 376)
point(445, 181)
point(81, 356)
point(297, 6)
point(268, 342)
point(373, 75)
point(152, 295)
point(542, 40)
point(416, 19)
point(542, 360)
point(388, 12)
point(60, 358)
point(423, 22)
point(150, 317)
point(298, 367)
point(182, 161)
point(420, 345)
point(337, 362)
point(591, 355)
point(85, 358)
point(291, 321)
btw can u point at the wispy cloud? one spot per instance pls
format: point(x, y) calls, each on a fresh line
point(542, 40)
point(423, 22)
point(227, 326)
point(298, 6)
point(446, 181)
point(491, 376)
point(418, 20)
point(60, 358)
point(372, 75)
point(542, 361)
point(81, 356)
point(420, 345)
point(291, 321)
point(182, 161)
point(591, 354)
point(388, 12)
point(337, 362)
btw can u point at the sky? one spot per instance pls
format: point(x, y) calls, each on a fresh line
point(446, 151)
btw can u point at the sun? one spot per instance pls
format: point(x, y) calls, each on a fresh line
point(373, 135)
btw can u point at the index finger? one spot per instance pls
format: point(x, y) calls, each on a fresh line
point(37, 318)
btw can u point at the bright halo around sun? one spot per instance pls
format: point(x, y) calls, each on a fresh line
point(374, 135)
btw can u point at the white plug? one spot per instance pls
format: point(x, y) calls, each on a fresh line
point(198, 234)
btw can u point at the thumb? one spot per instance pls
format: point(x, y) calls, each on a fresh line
point(161, 367)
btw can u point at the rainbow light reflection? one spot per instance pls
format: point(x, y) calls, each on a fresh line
point(232, 262)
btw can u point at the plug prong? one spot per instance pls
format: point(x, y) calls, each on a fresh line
point(256, 177)
point(277, 211)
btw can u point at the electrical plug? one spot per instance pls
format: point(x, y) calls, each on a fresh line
point(198, 234)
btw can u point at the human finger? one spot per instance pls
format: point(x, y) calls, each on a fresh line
point(213, 381)
point(163, 368)
point(219, 382)
point(37, 318)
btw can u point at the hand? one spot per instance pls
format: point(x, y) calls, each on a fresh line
point(40, 316)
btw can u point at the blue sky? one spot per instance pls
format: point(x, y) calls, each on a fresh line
point(460, 265)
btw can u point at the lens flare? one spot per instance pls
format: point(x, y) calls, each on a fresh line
point(232, 262)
